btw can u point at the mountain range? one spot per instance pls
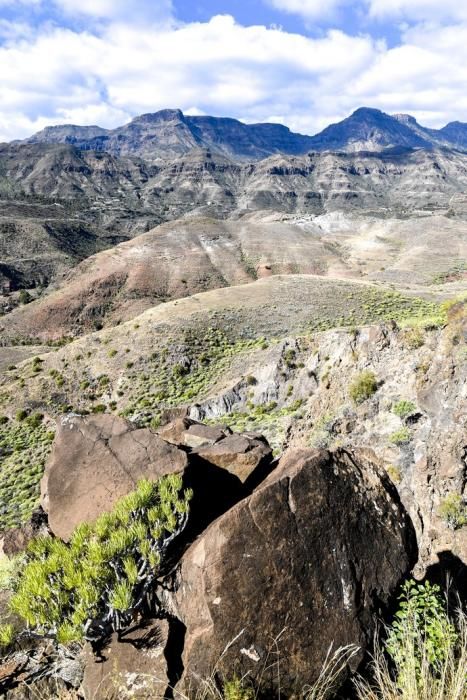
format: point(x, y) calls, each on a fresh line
point(169, 133)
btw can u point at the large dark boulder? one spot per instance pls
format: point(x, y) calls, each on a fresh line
point(313, 556)
point(95, 461)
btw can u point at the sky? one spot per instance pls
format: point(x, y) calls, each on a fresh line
point(303, 63)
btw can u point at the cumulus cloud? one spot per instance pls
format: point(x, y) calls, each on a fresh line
point(309, 9)
point(136, 10)
point(419, 10)
point(220, 67)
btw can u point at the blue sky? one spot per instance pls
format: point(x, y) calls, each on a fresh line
point(304, 63)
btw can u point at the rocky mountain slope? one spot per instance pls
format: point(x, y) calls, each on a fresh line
point(169, 133)
point(288, 356)
point(59, 205)
point(373, 130)
point(191, 255)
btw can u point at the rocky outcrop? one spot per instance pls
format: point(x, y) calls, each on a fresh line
point(98, 459)
point(240, 455)
point(309, 560)
point(291, 557)
point(95, 461)
point(135, 666)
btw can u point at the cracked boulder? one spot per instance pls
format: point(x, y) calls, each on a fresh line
point(95, 461)
point(310, 560)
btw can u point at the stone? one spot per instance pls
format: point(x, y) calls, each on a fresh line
point(175, 430)
point(241, 455)
point(310, 559)
point(189, 433)
point(17, 539)
point(134, 667)
point(95, 461)
point(200, 435)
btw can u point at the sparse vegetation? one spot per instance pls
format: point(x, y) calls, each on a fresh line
point(414, 338)
point(453, 510)
point(363, 386)
point(394, 473)
point(427, 649)
point(24, 448)
point(404, 408)
point(400, 437)
point(100, 579)
point(24, 297)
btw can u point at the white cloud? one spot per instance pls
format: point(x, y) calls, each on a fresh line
point(419, 10)
point(309, 9)
point(220, 67)
point(136, 10)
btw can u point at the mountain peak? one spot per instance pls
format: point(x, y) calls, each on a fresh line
point(367, 112)
point(405, 119)
point(168, 134)
point(163, 115)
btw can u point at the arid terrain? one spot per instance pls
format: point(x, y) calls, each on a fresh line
point(284, 330)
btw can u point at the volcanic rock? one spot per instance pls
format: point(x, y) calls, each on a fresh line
point(135, 666)
point(309, 560)
point(95, 461)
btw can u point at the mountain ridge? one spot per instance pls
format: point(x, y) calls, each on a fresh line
point(169, 133)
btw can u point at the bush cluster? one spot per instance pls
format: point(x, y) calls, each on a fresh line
point(97, 582)
point(363, 386)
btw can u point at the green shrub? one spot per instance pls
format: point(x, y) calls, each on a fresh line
point(6, 636)
point(7, 569)
point(99, 580)
point(24, 297)
point(179, 370)
point(403, 408)
point(34, 420)
point(414, 338)
point(3, 420)
point(394, 473)
point(21, 414)
point(99, 408)
point(155, 422)
point(363, 386)
point(400, 437)
point(238, 689)
point(453, 510)
point(421, 633)
point(112, 352)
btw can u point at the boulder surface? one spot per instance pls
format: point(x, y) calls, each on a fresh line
point(95, 461)
point(309, 559)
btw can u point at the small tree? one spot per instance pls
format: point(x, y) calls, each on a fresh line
point(422, 634)
point(97, 582)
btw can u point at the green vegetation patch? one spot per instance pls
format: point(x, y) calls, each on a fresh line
point(24, 448)
point(404, 408)
point(98, 581)
point(263, 418)
point(363, 386)
point(400, 437)
point(368, 305)
point(184, 373)
point(453, 510)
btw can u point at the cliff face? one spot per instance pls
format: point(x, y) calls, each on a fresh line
point(59, 205)
point(414, 425)
point(170, 133)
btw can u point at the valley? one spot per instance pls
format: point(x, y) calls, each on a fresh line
point(270, 324)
